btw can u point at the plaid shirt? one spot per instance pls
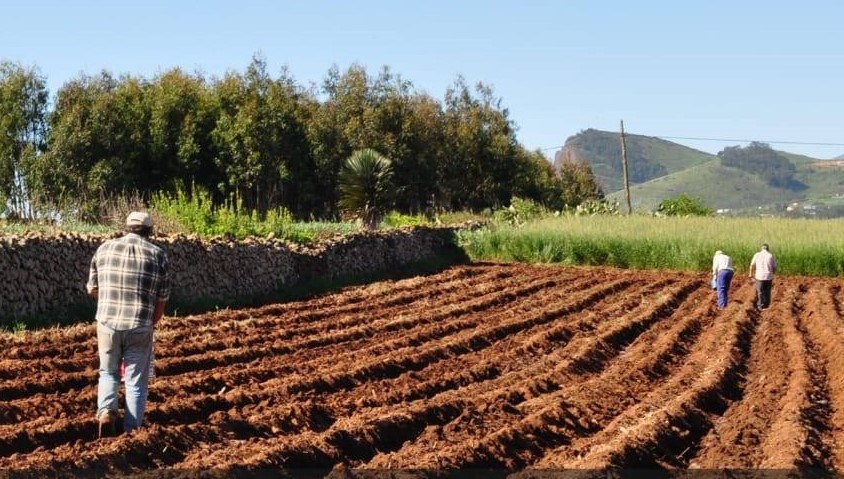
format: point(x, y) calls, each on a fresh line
point(131, 275)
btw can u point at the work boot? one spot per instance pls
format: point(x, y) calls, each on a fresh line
point(106, 422)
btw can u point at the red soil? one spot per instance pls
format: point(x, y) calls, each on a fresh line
point(482, 366)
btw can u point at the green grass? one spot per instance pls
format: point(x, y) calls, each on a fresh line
point(802, 247)
point(67, 227)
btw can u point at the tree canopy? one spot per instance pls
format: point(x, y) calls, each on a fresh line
point(23, 126)
point(761, 160)
point(263, 139)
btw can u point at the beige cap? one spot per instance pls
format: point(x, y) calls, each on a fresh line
point(138, 218)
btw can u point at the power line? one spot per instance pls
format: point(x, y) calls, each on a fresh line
point(737, 140)
point(783, 142)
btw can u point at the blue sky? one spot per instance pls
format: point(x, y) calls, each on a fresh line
point(737, 70)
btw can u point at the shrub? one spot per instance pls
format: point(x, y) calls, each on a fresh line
point(519, 212)
point(366, 186)
point(684, 205)
point(197, 214)
point(597, 207)
point(395, 219)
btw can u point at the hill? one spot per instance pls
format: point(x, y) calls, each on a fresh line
point(647, 157)
point(719, 187)
point(661, 169)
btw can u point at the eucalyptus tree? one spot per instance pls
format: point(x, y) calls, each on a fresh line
point(72, 146)
point(23, 125)
point(291, 107)
point(182, 117)
point(260, 136)
point(481, 144)
point(578, 183)
point(126, 164)
point(406, 126)
point(385, 113)
point(535, 179)
point(337, 128)
point(420, 149)
point(365, 185)
point(98, 145)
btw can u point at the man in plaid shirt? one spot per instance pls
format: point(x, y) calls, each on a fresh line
point(130, 279)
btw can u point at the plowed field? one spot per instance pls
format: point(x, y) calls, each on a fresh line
point(479, 366)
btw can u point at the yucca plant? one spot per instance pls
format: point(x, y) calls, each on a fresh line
point(366, 189)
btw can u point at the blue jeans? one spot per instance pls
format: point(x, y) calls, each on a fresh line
point(133, 346)
point(722, 285)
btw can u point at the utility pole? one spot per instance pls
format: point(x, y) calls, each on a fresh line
point(624, 167)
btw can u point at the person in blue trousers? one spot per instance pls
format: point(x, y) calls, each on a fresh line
point(722, 274)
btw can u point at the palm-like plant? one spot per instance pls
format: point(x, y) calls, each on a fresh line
point(366, 186)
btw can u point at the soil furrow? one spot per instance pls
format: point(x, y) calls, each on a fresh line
point(48, 382)
point(221, 379)
point(826, 336)
point(412, 360)
point(736, 438)
point(317, 320)
point(355, 439)
point(493, 367)
point(785, 435)
point(476, 339)
point(178, 329)
point(660, 430)
point(549, 419)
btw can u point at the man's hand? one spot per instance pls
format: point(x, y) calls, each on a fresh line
point(159, 311)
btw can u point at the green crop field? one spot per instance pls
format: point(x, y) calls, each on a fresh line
point(802, 247)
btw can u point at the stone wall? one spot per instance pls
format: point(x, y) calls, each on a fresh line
point(47, 273)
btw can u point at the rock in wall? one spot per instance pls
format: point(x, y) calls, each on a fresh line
point(45, 272)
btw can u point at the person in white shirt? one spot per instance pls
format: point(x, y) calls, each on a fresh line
point(722, 274)
point(762, 269)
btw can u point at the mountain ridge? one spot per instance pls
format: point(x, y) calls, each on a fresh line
point(732, 181)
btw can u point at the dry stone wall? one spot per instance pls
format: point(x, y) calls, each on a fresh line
point(45, 273)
